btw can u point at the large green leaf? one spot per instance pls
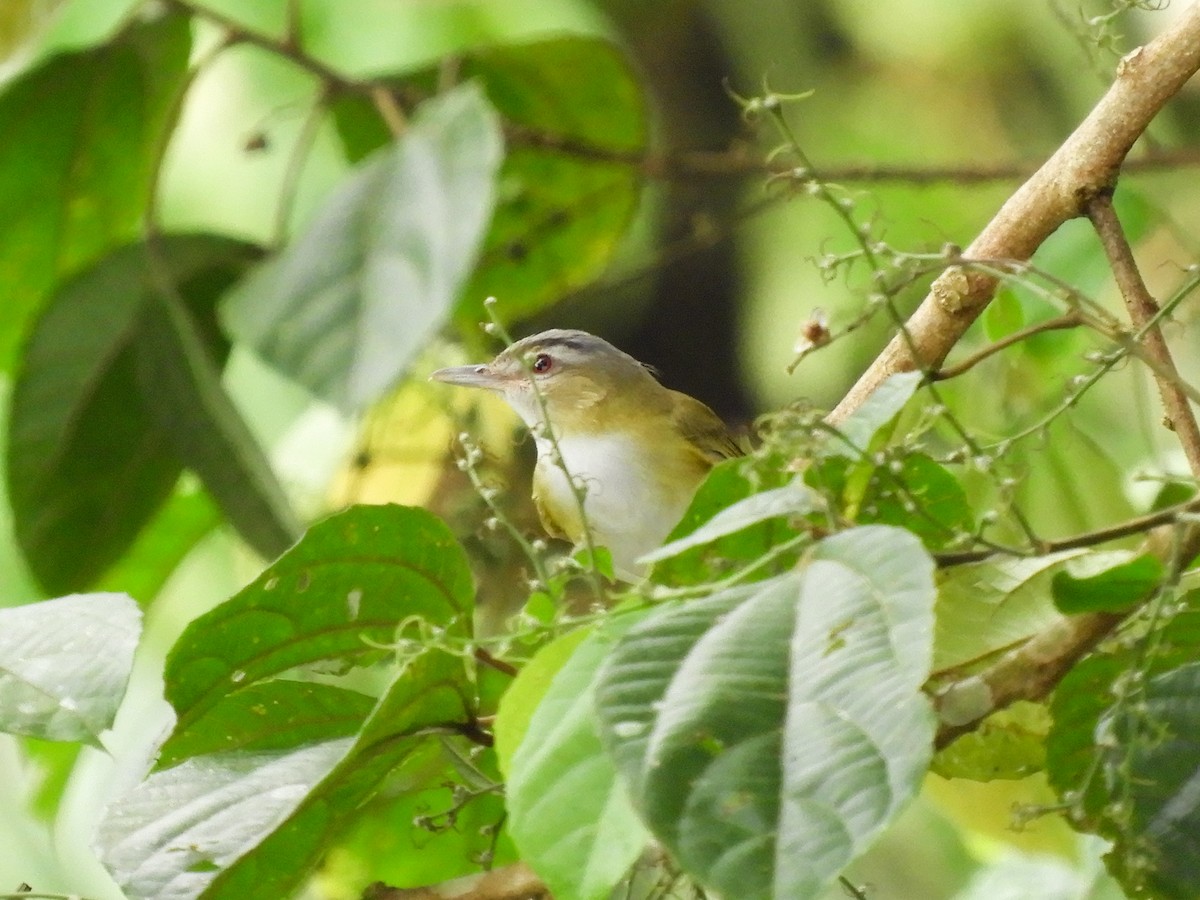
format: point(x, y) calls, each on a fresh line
point(81, 137)
point(769, 733)
point(89, 462)
point(345, 308)
point(181, 383)
point(426, 698)
point(306, 754)
point(568, 815)
point(168, 837)
point(64, 665)
point(574, 109)
point(335, 598)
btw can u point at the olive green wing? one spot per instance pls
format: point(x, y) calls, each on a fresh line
point(704, 429)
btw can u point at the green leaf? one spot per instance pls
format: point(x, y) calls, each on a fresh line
point(560, 212)
point(271, 715)
point(81, 137)
point(568, 815)
point(860, 428)
point(181, 383)
point(563, 206)
point(426, 696)
point(1123, 753)
point(726, 486)
point(791, 500)
point(420, 831)
point(520, 701)
point(187, 517)
point(1093, 584)
point(88, 463)
point(1156, 846)
point(769, 733)
point(1008, 744)
point(346, 307)
point(54, 681)
point(1003, 316)
point(922, 497)
point(343, 591)
point(175, 831)
point(986, 607)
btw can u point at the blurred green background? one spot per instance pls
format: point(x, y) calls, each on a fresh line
point(712, 285)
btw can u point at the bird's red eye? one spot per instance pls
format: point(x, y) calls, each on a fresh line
point(542, 362)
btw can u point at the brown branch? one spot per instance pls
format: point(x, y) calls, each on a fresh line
point(1086, 164)
point(1143, 312)
point(1028, 673)
point(512, 882)
point(1033, 670)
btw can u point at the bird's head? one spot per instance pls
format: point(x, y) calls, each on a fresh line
point(584, 381)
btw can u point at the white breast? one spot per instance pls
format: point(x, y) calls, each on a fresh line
point(629, 510)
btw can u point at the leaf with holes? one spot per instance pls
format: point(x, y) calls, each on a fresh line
point(332, 600)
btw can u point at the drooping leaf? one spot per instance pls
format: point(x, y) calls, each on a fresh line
point(88, 462)
point(790, 500)
point(989, 606)
point(568, 815)
point(574, 111)
point(880, 408)
point(334, 599)
point(769, 733)
point(181, 384)
point(81, 136)
point(345, 308)
point(1094, 584)
point(64, 665)
point(726, 486)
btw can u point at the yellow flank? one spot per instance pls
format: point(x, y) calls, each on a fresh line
point(635, 450)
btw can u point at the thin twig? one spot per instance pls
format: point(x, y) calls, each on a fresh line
point(1128, 528)
point(1072, 319)
point(389, 110)
point(1143, 311)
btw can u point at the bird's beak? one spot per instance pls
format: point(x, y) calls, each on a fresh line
point(478, 376)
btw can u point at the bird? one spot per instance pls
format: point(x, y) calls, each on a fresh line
point(636, 450)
